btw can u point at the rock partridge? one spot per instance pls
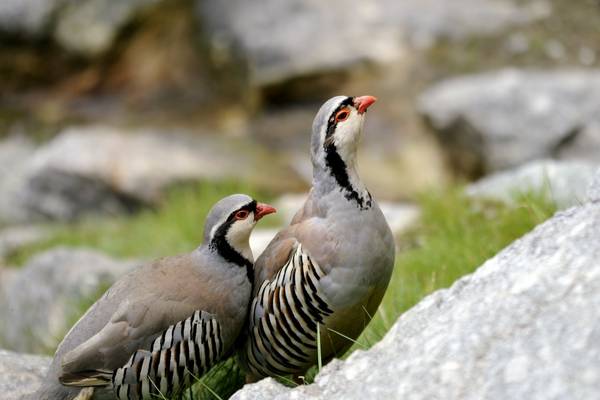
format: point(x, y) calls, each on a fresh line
point(325, 274)
point(164, 321)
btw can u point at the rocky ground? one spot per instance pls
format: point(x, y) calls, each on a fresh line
point(107, 108)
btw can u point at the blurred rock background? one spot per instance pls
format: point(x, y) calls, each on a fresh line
point(109, 108)
point(465, 88)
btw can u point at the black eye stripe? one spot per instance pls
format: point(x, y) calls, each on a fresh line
point(223, 248)
point(349, 101)
point(331, 123)
point(250, 207)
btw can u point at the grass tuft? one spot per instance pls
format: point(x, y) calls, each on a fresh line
point(221, 382)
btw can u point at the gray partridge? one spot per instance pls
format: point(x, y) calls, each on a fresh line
point(164, 321)
point(326, 273)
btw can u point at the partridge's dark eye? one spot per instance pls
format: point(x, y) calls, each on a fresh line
point(342, 115)
point(242, 214)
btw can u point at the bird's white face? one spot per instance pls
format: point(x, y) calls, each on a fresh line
point(238, 235)
point(347, 134)
point(236, 226)
point(344, 126)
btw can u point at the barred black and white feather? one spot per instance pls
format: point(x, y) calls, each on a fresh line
point(284, 317)
point(185, 350)
point(182, 352)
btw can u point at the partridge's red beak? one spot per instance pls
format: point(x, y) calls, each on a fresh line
point(363, 102)
point(263, 209)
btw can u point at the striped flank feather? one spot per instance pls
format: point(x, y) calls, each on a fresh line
point(189, 347)
point(284, 317)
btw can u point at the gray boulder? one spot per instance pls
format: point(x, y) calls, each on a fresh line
point(593, 193)
point(583, 143)
point(267, 388)
point(283, 39)
point(20, 374)
point(15, 153)
point(90, 27)
point(30, 18)
point(286, 39)
point(86, 27)
point(107, 170)
point(525, 325)
point(135, 163)
point(504, 118)
point(563, 182)
point(46, 184)
point(43, 299)
point(425, 22)
point(7, 276)
point(14, 238)
point(13, 150)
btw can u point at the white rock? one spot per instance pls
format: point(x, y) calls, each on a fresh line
point(104, 169)
point(294, 38)
point(564, 182)
point(283, 40)
point(20, 373)
point(90, 27)
point(27, 17)
point(593, 192)
point(44, 297)
point(15, 153)
point(15, 237)
point(505, 118)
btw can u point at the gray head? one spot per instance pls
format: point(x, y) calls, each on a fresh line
point(338, 127)
point(229, 224)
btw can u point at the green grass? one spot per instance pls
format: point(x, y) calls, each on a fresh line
point(455, 236)
point(176, 226)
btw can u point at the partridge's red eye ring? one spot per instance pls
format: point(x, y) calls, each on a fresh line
point(342, 115)
point(243, 214)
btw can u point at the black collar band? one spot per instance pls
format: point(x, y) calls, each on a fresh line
point(225, 250)
point(339, 170)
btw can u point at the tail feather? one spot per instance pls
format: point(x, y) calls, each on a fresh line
point(95, 378)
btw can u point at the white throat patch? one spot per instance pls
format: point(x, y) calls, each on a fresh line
point(238, 236)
